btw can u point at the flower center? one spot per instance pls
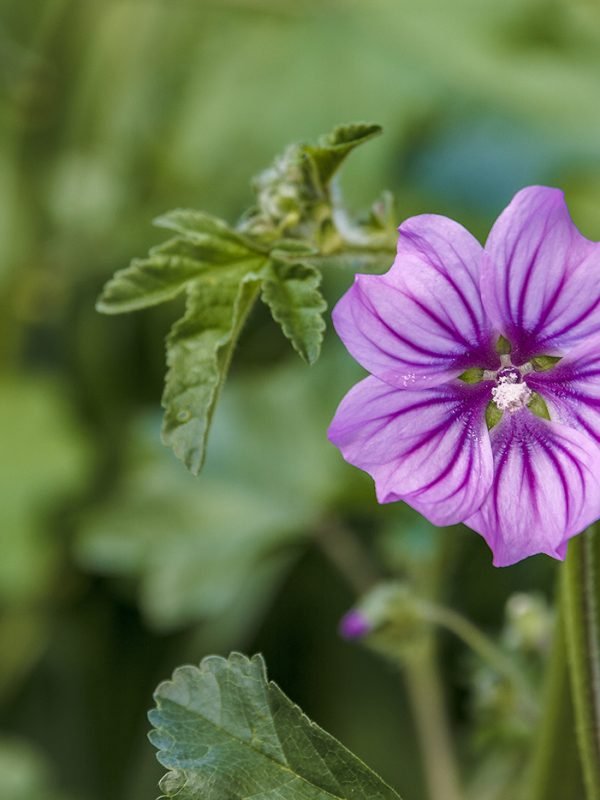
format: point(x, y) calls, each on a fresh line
point(510, 392)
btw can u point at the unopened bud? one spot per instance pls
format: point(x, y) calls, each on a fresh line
point(354, 625)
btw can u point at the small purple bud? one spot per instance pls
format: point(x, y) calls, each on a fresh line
point(354, 625)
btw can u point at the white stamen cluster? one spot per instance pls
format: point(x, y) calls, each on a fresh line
point(509, 395)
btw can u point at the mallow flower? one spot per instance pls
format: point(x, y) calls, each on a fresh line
point(483, 401)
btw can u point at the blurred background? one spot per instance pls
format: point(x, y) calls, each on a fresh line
point(116, 565)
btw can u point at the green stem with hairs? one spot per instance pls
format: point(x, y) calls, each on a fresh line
point(579, 599)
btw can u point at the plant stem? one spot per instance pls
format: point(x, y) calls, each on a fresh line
point(484, 647)
point(554, 772)
point(423, 681)
point(579, 599)
point(425, 695)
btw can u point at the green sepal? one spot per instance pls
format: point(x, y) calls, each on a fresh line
point(473, 375)
point(537, 405)
point(503, 346)
point(544, 363)
point(493, 415)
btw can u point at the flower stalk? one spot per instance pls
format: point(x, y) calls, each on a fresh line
point(429, 710)
point(579, 597)
point(555, 770)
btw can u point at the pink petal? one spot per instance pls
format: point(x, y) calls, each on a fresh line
point(540, 277)
point(430, 448)
point(423, 322)
point(571, 389)
point(545, 488)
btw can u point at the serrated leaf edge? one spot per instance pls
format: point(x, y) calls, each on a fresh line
point(256, 660)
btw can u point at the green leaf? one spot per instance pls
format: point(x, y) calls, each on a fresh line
point(168, 269)
point(227, 733)
point(201, 227)
point(334, 147)
point(199, 349)
point(293, 248)
point(291, 290)
point(147, 282)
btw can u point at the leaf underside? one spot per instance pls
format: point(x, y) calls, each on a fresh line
point(227, 733)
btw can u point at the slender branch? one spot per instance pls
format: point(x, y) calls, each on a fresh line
point(423, 681)
point(580, 609)
point(426, 698)
point(483, 646)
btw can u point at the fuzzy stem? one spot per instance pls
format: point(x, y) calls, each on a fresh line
point(581, 618)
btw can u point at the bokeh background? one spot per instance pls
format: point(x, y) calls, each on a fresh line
point(115, 564)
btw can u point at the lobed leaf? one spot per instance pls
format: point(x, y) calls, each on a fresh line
point(334, 147)
point(167, 271)
point(280, 245)
point(199, 349)
point(291, 290)
point(227, 733)
point(202, 227)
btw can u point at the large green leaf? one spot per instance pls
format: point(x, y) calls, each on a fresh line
point(291, 290)
point(227, 733)
point(199, 349)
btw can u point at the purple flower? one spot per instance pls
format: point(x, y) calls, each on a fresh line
point(483, 402)
point(354, 625)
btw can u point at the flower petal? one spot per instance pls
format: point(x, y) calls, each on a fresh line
point(545, 488)
point(540, 277)
point(430, 448)
point(423, 322)
point(571, 389)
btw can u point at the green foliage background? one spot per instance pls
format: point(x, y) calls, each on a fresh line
point(117, 565)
